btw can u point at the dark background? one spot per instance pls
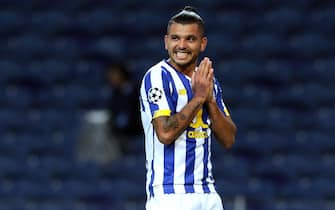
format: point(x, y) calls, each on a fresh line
point(275, 60)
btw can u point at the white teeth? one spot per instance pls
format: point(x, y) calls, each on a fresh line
point(181, 55)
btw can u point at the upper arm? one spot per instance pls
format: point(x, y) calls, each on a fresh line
point(157, 97)
point(156, 94)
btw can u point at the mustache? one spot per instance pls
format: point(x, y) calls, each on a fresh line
point(182, 51)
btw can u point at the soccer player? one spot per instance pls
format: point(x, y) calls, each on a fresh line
point(181, 107)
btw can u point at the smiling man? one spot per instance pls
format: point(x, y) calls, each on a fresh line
point(181, 108)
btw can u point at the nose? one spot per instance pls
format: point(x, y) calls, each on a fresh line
point(182, 44)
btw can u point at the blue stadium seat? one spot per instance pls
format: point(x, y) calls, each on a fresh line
point(28, 189)
point(268, 45)
point(293, 97)
point(325, 117)
point(153, 23)
point(221, 46)
point(10, 70)
point(260, 191)
point(16, 98)
point(231, 22)
point(239, 71)
point(278, 169)
point(115, 47)
point(30, 45)
point(11, 21)
point(85, 171)
point(278, 116)
point(322, 19)
point(325, 186)
point(297, 204)
point(10, 167)
point(122, 169)
point(12, 205)
point(55, 166)
point(150, 48)
point(163, 6)
point(245, 146)
point(251, 118)
point(323, 139)
point(10, 142)
point(76, 189)
point(311, 44)
point(318, 94)
point(49, 120)
point(230, 167)
point(304, 166)
point(228, 187)
point(275, 62)
point(101, 20)
point(137, 146)
point(327, 162)
point(323, 70)
point(278, 73)
point(55, 98)
point(298, 189)
point(51, 22)
point(12, 120)
point(282, 20)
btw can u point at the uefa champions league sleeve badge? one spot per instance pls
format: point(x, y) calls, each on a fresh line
point(155, 95)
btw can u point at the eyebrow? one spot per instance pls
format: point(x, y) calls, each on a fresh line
point(186, 37)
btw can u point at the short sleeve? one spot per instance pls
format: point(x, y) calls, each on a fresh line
point(156, 93)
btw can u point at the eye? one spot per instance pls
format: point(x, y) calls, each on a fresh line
point(174, 38)
point(192, 38)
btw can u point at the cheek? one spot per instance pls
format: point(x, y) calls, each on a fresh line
point(167, 45)
point(197, 49)
point(168, 48)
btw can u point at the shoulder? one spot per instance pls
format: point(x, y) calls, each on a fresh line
point(217, 81)
point(157, 71)
point(217, 85)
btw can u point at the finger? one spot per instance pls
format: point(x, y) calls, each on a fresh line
point(201, 67)
point(205, 67)
point(210, 74)
point(209, 64)
point(208, 69)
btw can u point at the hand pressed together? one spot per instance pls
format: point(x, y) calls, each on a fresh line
point(202, 81)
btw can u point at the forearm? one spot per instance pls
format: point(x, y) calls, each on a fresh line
point(169, 128)
point(222, 126)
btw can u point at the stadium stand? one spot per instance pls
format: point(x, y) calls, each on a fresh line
point(275, 60)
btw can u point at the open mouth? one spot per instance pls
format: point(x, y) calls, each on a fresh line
point(181, 55)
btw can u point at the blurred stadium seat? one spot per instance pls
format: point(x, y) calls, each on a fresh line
point(275, 60)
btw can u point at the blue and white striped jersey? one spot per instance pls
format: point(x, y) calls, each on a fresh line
point(185, 165)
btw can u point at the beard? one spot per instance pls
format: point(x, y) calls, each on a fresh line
point(184, 63)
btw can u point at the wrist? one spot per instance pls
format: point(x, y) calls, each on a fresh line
point(210, 104)
point(211, 101)
point(199, 100)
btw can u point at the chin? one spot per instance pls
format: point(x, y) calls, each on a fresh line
point(182, 63)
